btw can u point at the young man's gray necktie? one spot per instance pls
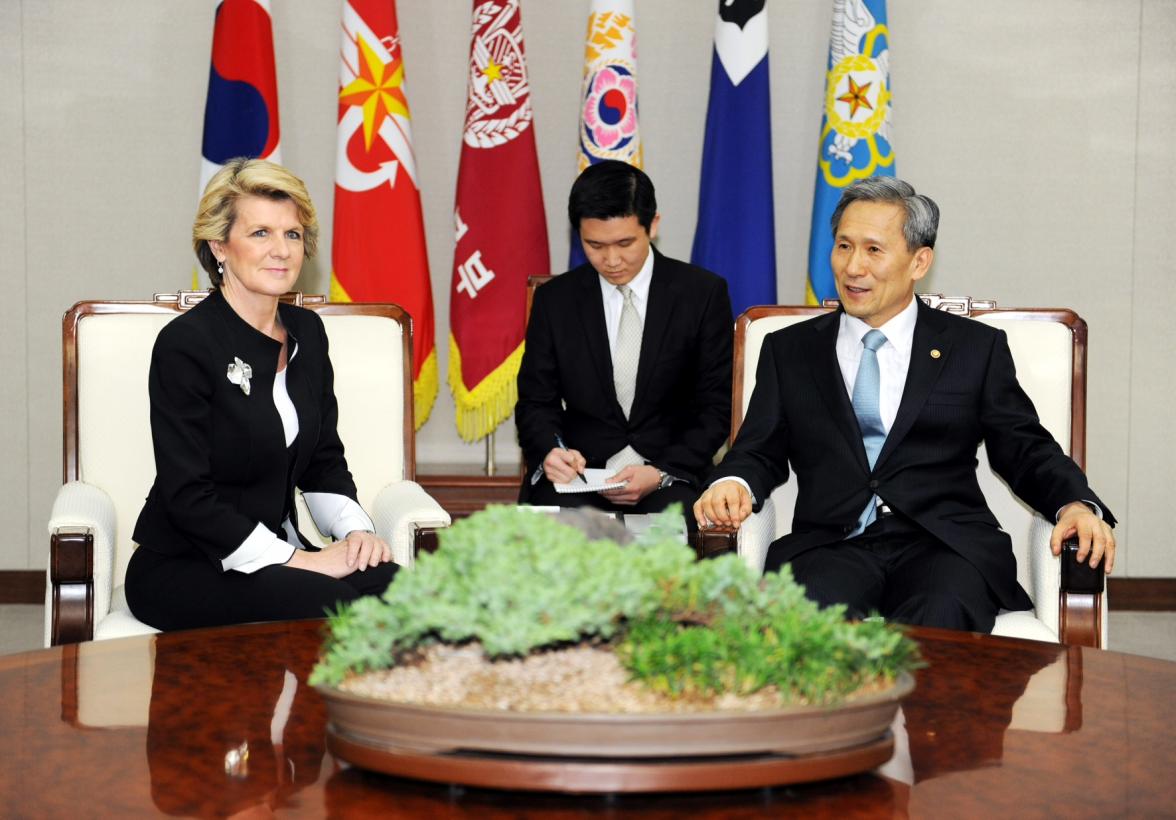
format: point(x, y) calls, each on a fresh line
point(626, 355)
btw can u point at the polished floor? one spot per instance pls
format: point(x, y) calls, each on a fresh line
point(1152, 634)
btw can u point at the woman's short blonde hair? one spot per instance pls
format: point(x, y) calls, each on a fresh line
point(239, 178)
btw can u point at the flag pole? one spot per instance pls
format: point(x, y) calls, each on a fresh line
point(491, 469)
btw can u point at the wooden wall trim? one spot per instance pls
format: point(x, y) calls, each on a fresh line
point(1141, 594)
point(462, 495)
point(27, 586)
point(22, 586)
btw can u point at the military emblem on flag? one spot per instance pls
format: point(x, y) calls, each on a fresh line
point(735, 236)
point(378, 252)
point(608, 93)
point(500, 225)
point(855, 131)
point(241, 109)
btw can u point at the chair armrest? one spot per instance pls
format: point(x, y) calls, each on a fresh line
point(714, 541)
point(1045, 574)
point(399, 511)
point(756, 534)
point(1068, 597)
point(751, 540)
point(1082, 600)
point(426, 539)
point(1078, 576)
point(81, 559)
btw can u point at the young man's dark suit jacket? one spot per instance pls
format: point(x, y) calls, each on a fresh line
point(220, 455)
point(682, 408)
point(801, 414)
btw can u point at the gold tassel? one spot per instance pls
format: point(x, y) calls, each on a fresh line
point(481, 409)
point(424, 389)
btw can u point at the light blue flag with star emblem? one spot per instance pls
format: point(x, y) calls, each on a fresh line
point(855, 130)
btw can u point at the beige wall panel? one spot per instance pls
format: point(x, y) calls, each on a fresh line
point(110, 160)
point(1152, 332)
point(436, 52)
point(798, 53)
point(1019, 118)
point(673, 89)
point(15, 546)
point(306, 53)
point(1021, 123)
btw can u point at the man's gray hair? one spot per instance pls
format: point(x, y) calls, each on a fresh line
point(922, 214)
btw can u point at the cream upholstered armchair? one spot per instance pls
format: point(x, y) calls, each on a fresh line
point(1049, 349)
point(109, 463)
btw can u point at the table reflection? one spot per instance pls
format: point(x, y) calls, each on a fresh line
point(222, 722)
point(247, 737)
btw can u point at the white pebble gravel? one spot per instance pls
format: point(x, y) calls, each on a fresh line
point(579, 679)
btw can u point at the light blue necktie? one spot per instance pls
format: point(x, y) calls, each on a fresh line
point(866, 388)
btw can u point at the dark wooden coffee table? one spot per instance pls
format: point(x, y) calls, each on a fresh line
point(214, 722)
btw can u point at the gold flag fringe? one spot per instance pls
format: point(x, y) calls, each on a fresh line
point(337, 293)
point(424, 389)
point(481, 409)
point(810, 296)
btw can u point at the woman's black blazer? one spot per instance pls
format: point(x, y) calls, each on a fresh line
point(221, 463)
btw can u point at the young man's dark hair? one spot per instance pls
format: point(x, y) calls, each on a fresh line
point(611, 189)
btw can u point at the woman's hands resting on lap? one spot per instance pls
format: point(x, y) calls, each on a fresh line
point(358, 551)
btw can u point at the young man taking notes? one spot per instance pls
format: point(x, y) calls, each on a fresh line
point(627, 365)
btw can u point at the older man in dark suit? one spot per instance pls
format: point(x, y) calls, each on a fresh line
point(627, 364)
point(879, 409)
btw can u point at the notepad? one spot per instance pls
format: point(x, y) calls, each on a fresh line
point(597, 481)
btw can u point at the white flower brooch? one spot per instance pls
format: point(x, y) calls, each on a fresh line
point(240, 373)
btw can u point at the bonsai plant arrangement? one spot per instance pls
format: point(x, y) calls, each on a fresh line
point(510, 583)
point(528, 654)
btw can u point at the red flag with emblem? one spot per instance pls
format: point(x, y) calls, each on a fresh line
point(500, 224)
point(378, 252)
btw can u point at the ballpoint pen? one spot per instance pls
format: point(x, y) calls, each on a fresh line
point(559, 442)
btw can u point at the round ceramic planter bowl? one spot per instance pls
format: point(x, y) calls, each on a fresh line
point(609, 753)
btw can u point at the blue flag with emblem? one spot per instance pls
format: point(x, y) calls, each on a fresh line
point(735, 236)
point(855, 130)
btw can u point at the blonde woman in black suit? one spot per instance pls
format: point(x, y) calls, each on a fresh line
point(242, 412)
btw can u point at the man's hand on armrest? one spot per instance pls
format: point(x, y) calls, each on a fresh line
point(1096, 540)
point(727, 503)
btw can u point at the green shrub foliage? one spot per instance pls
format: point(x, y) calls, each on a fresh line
point(516, 581)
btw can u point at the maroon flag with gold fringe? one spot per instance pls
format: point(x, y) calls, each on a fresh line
point(501, 229)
